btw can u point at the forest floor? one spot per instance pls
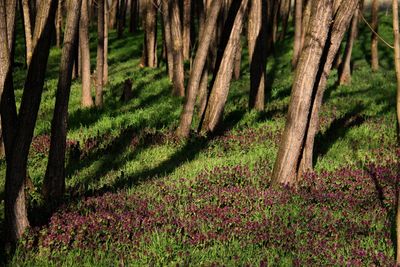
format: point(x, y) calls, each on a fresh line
point(138, 196)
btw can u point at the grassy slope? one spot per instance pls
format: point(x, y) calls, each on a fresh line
point(126, 144)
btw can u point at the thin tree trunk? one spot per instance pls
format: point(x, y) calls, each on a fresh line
point(58, 24)
point(297, 32)
point(28, 30)
point(113, 14)
point(198, 70)
point(238, 62)
point(287, 161)
point(54, 181)
point(86, 100)
point(374, 37)
point(345, 69)
point(177, 50)
point(220, 88)
point(120, 20)
point(105, 68)
point(339, 28)
point(187, 7)
point(15, 207)
point(133, 25)
point(257, 53)
point(167, 35)
point(100, 53)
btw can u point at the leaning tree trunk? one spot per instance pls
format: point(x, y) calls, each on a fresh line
point(339, 28)
point(15, 208)
point(86, 100)
point(257, 53)
point(287, 161)
point(100, 54)
point(374, 37)
point(28, 30)
point(220, 88)
point(54, 180)
point(198, 70)
point(177, 50)
point(150, 34)
point(345, 69)
point(297, 31)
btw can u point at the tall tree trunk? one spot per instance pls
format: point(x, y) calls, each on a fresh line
point(120, 20)
point(220, 86)
point(374, 37)
point(113, 14)
point(15, 208)
point(133, 25)
point(105, 68)
point(285, 13)
point(150, 36)
point(187, 8)
point(238, 62)
point(167, 35)
point(305, 21)
point(339, 27)
point(54, 181)
point(198, 70)
point(345, 69)
point(177, 50)
point(287, 161)
point(86, 100)
point(58, 24)
point(257, 53)
point(100, 53)
point(297, 32)
point(28, 30)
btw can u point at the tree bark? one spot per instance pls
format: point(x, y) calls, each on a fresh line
point(220, 86)
point(374, 37)
point(238, 62)
point(345, 69)
point(58, 24)
point(28, 30)
point(187, 8)
point(86, 100)
point(297, 32)
point(150, 35)
point(120, 20)
point(54, 181)
point(15, 208)
point(105, 68)
point(177, 50)
point(113, 14)
point(287, 161)
point(339, 27)
point(100, 53)
point(198, 70)
point(133, 25)
point(257, 53)
point(167, 35)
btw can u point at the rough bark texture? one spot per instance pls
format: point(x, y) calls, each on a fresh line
point(28, 30)
point(345, 69)
point(257, 53)
point(374, 37)
point(198, 70)
point(150, 35)
point(15, 208)
point(220, 86)
point(54, 181)
point(177, 50)
point(287, 162)
point(100, 53)
point(297, 31)
point(339, 28)
point(86, 100)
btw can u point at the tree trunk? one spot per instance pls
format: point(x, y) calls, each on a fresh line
point(100, 53)
point(121, 24)
point(220, 86)
point(345, 69)
point(28, 30)
point(58, 24)
point(198, 69)
point(86, 100)
point(257, 53)
point(167, 35)
point(238, 62)
point(305, 21)
point(374, 37)
point(105, 68)
point(15, 208)
point(113, 14)
point(54, 181)
point(339, 27)
point(133, 25)
point(187, 8)
point(297, 32)
point(287, 161)
point(150, 35)
point(177, 50)
point(285, 12)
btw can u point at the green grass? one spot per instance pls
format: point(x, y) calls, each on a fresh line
point(134, 142)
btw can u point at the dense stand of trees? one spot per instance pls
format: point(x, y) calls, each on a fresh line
point(209, 35)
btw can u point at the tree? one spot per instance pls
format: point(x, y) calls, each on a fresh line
point(150, 34)
point(167, 38)
point(297, 31)
point(54, 181)
point(86, 100)
point(100, 54)
point(27, 30)
point(197, 73)
point(326, 31)
point(374, 37)
point(186, 22)
point(15, 208)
